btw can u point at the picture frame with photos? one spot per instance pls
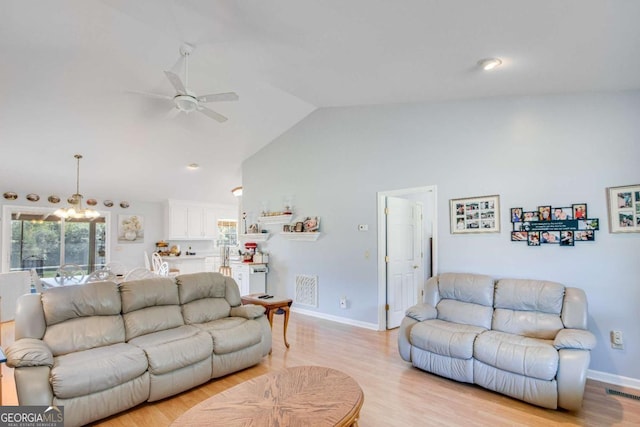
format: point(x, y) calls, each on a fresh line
point(473, 215)
point(624, 209)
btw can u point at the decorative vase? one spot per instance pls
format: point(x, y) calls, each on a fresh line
point(130, 235)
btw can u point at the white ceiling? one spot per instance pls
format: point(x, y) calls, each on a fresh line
point(67, 67)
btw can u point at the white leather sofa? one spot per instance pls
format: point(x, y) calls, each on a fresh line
point(526, 339)
point(100, 348)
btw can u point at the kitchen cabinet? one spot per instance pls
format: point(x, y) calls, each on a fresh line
point(251, 278)
point(191, 221)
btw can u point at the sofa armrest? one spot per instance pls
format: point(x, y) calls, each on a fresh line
point(574, 338)
point(29, 352)
point(248, 311)
point(422, 312)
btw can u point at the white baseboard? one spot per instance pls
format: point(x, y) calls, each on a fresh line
point(372, 326)
point(613, 379)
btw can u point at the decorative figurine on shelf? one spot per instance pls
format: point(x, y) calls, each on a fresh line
point(244, 221)
point(253, 229)
point(312, 224)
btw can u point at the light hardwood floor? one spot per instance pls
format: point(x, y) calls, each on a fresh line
point(395, 394)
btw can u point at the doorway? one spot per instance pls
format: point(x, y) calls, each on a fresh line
point(407, 250)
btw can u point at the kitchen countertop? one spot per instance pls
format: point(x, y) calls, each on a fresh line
point(186, 257)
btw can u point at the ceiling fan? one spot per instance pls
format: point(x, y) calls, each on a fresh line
point(187, 101)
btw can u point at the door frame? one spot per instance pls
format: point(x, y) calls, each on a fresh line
point(382, 243)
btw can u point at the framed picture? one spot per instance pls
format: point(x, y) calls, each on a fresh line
point(561, 214)
point(475, 215)
point(566, 238)
point(579, 211)
point(533, 238)
point(544, 213)
point(531, 216)
point(518, 236)
point(548, 236)
point(130, 229)
point(624, 209)
point(516, 214)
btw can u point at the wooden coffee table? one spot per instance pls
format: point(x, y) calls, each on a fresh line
point(272, 305)
point(301, 396)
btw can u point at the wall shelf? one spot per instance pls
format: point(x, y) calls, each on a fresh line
point(275, 219)
point(310, 236)
point(257, 237)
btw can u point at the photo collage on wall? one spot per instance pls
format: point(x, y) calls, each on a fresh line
point(475, 214)
point(550, 225)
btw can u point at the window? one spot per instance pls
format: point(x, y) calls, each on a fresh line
point(44, 242)
point(227, 232)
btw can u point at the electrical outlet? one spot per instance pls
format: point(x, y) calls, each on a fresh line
point(343, 302)
point(616, 340)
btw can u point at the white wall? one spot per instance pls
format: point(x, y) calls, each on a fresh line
point(554, 150)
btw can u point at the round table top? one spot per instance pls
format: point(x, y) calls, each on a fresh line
point(298, 396)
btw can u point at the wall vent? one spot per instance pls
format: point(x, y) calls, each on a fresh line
point(307, 290)
point(623, 394)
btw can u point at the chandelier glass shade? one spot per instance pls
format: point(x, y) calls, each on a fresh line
point(75, 210)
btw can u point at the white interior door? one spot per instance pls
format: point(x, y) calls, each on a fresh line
point(404, 257)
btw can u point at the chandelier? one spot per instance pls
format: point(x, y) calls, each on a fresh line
point(76, 210)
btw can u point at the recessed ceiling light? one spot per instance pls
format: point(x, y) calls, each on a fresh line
point(193, 166)
point(489, 63)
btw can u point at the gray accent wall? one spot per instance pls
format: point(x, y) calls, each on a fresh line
point(532, 151)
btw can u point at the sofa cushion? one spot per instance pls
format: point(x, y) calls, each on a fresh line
point(232, 333)
point(175, 348)
point(150, 305)
point(85, 372)
point(466, 313)
point(466, 298)
point(529, 295)
point(208, 285)
point(205, 310)
point(472, 288)
point(138, 294)
point(528, 307)
point(530, 357)
point(445, 338)
point(152, 319)
point(70, 302)
point(84, 333)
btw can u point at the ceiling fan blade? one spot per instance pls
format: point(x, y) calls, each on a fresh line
point(210, 113)
point(176, 82)
point(149, 94)
point(173, 113)
point(215, 97)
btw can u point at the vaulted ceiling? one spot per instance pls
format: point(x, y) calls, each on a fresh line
point(69, 70)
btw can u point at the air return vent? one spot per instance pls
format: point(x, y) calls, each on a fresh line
point(307, 290)
point(622, 394)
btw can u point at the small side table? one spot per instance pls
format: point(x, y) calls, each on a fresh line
point(271, 305)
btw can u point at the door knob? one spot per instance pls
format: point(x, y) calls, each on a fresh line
point(415, 267)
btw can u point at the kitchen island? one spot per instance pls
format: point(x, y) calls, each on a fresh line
point(187, 264)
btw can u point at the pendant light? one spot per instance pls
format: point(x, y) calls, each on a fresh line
point(76, 210)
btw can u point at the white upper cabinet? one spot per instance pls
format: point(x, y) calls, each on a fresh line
point(193, 220)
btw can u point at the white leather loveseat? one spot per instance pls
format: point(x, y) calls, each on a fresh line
point(526, 339)
point(99, 348)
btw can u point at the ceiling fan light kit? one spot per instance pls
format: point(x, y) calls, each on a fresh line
point(187, 101)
